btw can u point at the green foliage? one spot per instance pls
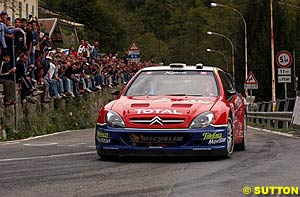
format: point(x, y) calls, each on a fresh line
point(175, 30)
point(70, 114)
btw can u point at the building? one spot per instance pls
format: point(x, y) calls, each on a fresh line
point(61, 31)
point(20, 8)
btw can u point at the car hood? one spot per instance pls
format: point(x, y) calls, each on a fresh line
point(172, 112)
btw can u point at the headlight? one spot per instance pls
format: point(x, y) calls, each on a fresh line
point(202, 120)
point(113, 119)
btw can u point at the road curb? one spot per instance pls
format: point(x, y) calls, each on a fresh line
point(274, 132)
point(40, 136)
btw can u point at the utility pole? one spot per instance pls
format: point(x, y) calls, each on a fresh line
point(295, 77)
point(273, 58)
point(15, 85)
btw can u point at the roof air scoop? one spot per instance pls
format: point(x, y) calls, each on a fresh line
point(177, 65)
point(199, 66)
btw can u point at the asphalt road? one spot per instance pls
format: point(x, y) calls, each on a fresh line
point(66, 164)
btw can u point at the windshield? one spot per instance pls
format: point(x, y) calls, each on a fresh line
point(174, 83)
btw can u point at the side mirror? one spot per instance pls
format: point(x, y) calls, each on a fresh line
point(231, 92)
point(115, 92)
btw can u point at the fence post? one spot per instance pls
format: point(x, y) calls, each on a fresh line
point(257, 110)
point(278, 102)
point(269, 110)
point(285, 125)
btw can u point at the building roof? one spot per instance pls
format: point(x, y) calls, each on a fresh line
point(49, 25)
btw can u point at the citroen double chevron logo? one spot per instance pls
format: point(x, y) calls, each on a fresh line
point(157, 120)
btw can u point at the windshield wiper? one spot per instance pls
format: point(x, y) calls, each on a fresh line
point(183, 95)
point(144, 95)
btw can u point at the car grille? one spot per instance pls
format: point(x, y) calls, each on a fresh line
point(156, 139)
point(150, 121)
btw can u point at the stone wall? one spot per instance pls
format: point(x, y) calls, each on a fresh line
point(58, 115)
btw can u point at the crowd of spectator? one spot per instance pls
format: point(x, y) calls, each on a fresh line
point(54, 73)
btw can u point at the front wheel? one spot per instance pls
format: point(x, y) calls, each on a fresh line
point(229, 139)
point(107, 157)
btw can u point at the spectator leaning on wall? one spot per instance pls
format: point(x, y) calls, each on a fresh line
point(58, 72)
point(4, 31)
point(6, 78)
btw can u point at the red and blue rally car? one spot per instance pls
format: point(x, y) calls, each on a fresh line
point(174, 110)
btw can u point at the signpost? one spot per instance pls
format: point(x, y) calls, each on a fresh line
point(296, 114)
point(251, 83)
point(284, 61)
point(134, 52)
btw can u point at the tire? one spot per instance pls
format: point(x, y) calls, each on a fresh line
point(108, 157)
point(229, 139)
point(242, 146)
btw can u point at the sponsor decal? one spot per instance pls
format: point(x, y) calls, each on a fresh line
point(110, 148)
point(103, 137)
point(136, 138)
point(174, 73)
point(212, 136)
point(104, 140)
point(217, 141)
point(163, 100)
point(157, 111)
point(201, 148)
point(168, 100)
point(196, 101)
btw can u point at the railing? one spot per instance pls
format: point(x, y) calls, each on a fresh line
point(261, 113)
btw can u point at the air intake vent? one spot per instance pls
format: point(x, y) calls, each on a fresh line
point(177, 65)
point(199, 66)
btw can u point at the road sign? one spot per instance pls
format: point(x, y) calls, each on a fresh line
point(251, 79)
point(250, 86)
point(285, 79)
point(133, 47)
point(134, 52)
point(251, 82)
point(284, 59)
point(134, 56)
point(296, 113)
point(284, 71)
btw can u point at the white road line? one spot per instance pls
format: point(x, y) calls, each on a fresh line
point(274, 132)
point(46, 156)
point(78, 144)
point(9, 143)
point(47, 144)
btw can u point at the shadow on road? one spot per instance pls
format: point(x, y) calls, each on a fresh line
point(161, 159)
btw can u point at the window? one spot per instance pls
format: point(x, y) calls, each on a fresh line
point(32, 10)
point(26, 10)
point(225, 83)
point(5, 4)
point(13, 10)
point(20, 9)
point(174, 83)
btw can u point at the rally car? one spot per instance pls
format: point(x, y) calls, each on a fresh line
point(174, 110)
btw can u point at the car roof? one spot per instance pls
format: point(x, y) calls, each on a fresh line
point(183, 67)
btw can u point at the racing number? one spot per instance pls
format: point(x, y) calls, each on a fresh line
point(284, 59)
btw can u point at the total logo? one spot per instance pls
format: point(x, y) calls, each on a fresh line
point(157, 111)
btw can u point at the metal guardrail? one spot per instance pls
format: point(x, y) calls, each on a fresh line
point(262, 113)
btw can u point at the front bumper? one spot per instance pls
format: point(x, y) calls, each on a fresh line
point(207, 141)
